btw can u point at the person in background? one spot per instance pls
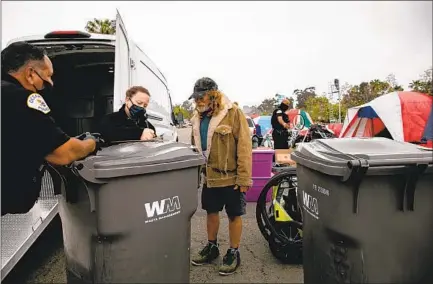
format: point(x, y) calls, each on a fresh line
point(220, 132)
point(280, 123)
point(130, 122)
point(30, 136)
point(259, 133)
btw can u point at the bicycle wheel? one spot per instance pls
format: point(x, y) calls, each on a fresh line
point(298, 122)
point(265, 216)
point(262, 211)
point(287, 253)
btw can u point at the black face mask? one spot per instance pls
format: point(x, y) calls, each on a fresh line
point(47, 88)
point(137, 112)
point(284, 107)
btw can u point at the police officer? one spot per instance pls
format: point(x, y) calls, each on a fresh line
point(280, 124)
point(29, 134)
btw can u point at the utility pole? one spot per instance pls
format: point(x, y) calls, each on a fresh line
point(330, 112)
point(331, 96)
point(337, 86)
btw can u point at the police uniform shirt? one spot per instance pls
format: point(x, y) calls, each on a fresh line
point(29, 134)
point(274, 119)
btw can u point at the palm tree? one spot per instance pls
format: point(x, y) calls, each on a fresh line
point(416, 85)
point(101, 26)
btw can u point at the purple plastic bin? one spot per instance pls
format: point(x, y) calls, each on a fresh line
point(254, 192)
point(262, 163)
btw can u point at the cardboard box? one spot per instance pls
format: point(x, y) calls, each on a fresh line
point(282, 157)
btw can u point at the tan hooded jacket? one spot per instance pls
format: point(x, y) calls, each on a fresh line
point(229, 149)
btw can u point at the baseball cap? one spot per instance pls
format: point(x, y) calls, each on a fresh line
point(286, 102)
point(202, 86)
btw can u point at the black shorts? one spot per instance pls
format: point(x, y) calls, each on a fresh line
point(214, 199)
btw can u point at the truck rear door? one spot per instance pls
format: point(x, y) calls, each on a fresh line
point(122, 67)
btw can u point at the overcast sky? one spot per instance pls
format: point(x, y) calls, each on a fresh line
point(254, 49)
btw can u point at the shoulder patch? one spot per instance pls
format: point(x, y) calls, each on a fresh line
point(279, 111)
point(37, 102)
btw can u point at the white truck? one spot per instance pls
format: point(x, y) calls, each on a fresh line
point(91, 73)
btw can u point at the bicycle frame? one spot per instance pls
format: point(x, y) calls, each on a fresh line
point(267, 141)
point(293, 136)
point(298, 124)
point(280, 214)
point(319, 131)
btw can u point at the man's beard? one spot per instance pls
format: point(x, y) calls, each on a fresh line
point(202, 109)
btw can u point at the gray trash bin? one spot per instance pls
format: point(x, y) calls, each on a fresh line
point(367, 211)
point(126, 214)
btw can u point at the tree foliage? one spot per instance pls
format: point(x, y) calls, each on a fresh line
point(317, 107)
point(303, 95)
point(392, 81)
point(187, 105)
point(248, 110)
point(179, 109)
point(367, 91)
point(267, 106)
point(321, 109)
point(186, 109)
point(101, 26)
point(424, 83)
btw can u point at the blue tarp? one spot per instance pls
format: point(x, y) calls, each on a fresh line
point(428, 131)
point(367, 112)
point(265, 124)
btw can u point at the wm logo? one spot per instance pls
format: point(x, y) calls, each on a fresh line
point(310, 203)
point(162, 207)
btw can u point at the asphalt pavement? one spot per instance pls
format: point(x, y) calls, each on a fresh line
point(44, 262)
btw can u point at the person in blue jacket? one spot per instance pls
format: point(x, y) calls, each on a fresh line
point(259, 134)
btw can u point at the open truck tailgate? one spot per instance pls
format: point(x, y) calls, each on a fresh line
point(20, 231)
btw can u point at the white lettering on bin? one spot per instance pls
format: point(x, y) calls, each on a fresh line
point(320, 189)
point(311, 205)
point(164, 208)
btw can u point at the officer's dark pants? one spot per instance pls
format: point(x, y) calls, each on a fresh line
point(281, 139)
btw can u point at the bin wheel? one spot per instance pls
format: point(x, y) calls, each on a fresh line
point(264, 217)
point(287, 253)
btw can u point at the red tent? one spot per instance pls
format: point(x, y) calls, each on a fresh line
point(253, 115)
point(335, 128)
point(401, 116)
point(294, 116)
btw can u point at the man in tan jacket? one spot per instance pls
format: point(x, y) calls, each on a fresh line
point(220, 132)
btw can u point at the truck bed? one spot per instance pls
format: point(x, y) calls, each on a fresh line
point(20, 231)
